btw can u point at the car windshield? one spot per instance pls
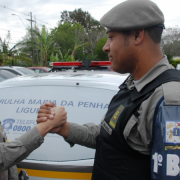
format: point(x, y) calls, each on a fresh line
point(26, 71)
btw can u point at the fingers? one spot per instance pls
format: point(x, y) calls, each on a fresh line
point(60, 116)
point(45, 116)
point(49, 111)
point(45, 107)
point(50, 104)
point(41, 119)
point(61, 112)
point(44, 113)
point(59, 109)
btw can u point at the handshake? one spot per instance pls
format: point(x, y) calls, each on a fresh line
point(52, 119)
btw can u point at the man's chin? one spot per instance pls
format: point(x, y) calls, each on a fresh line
point(120, 71)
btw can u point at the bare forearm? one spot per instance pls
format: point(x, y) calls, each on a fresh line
point(44, 128)
point(64, 130)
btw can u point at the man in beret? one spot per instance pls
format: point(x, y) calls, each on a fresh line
point(134, 29)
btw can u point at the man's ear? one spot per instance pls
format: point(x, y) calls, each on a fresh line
point(138, 36)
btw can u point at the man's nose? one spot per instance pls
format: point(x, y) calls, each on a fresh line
point(106, 47)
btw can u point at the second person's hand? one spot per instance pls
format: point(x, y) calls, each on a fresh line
point(46, 112)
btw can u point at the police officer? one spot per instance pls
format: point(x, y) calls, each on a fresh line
point(15, 151)
point(122, 140)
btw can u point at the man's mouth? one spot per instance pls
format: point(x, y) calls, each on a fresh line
point(110, 58)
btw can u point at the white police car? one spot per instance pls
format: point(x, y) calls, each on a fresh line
point(85, 96)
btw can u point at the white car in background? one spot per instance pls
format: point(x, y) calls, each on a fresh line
point(85, 96)
point(17, 70)
point(4, 74)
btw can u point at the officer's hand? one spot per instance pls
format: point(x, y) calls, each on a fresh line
point(60, 117)
point(46, 112)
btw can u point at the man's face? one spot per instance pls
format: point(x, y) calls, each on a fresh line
point(120, 52)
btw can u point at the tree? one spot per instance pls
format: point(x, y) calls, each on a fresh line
point(99, 49)
point(93, 31)
point(67, 57)
point(10, 56)
point(4, 48)
point(171, 42)
point(44, 43)
point(94, 36)
point(81, 17)
point(54, 58)
point(25, 45)
point(66, 36)
point(77, 32)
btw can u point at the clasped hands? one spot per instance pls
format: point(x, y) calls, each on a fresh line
point(56, 117)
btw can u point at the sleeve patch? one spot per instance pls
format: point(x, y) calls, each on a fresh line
point(172, 132)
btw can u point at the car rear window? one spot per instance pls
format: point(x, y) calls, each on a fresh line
point(19, 107)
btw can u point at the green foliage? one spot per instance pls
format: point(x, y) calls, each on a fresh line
point(11, 56)
point(67, 57)
point(4, 49)
point(59, 57)
point(54, 58)
point(90, 58)
point(93, 31)
point(99, 49)
point(76, 35)
point(84, 18)
point(18, 62)
point(174, 62)
point(66, 35)
point(170, 42)
point(169, 57)
point(44, 42)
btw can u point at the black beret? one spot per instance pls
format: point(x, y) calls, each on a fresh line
point(133, 14)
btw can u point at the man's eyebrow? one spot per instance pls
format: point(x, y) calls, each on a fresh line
point(108, 31)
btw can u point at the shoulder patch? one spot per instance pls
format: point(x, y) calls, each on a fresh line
point(172, 132)
point(115, 117)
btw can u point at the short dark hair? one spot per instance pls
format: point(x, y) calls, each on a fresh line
point(155, 33)
point(126, 35)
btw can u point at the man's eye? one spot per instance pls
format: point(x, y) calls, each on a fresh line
point(110, 37)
